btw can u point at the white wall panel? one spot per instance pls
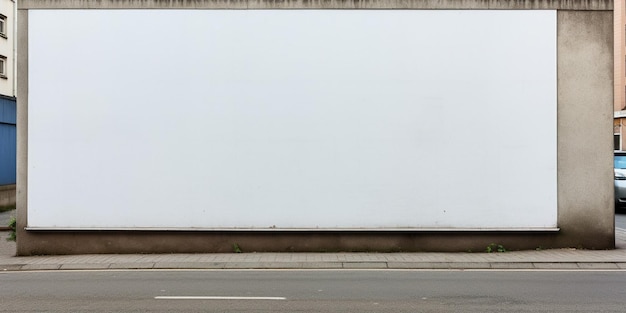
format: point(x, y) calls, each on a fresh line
point(292, 119)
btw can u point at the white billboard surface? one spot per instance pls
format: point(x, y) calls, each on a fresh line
point(292, 119)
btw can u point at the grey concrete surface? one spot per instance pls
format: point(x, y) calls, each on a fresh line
point(585, 201)
point(567, 259)
point(585, 102)
point(7, 195)
point(321, 4)
point(5, 217)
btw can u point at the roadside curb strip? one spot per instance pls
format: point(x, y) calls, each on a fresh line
point(40, 267)
point(319, 265)
point(131, 266)
point(84, 266)
point(367, 265)
point(598, 265)
point(511, 265)
point(11, 267)
point(552, 265)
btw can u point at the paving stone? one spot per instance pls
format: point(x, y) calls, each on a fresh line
point(241, 265)
point(365, 265)
point(138, 265)
point(278, 265)
point(260, 265)
point(408, 265)
point(189, 265)
point(598, 265)
point(322, 265)
point(11, 267)
point(556, 265)
point(40, 267)
point(470, 265)
point(511, 265)
point(84, 266)
point(421, 265)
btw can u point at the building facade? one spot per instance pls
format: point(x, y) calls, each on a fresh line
point(619, 34)
point(8, 71)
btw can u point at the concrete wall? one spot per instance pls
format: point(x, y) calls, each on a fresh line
point(585, 115)
point(321, 4)
point(7, 195)
point(585, 188)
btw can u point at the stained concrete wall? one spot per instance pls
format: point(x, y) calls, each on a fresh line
point(585, 190)
point(585, 114)
point(322, 4)
point(7, 196)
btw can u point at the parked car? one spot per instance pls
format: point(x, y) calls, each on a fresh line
point(619, 169)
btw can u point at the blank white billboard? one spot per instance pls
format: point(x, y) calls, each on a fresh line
point(292, 119)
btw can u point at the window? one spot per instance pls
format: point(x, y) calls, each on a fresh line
point(619, 161)
point(3, 66)
point(3, 26)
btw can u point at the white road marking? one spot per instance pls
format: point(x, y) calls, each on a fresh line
point(216, 298)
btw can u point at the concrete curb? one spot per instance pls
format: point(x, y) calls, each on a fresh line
point(614, 266)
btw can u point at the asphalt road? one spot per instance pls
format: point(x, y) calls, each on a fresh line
point(313, 291)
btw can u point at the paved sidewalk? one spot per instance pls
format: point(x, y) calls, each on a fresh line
point(544, 259)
